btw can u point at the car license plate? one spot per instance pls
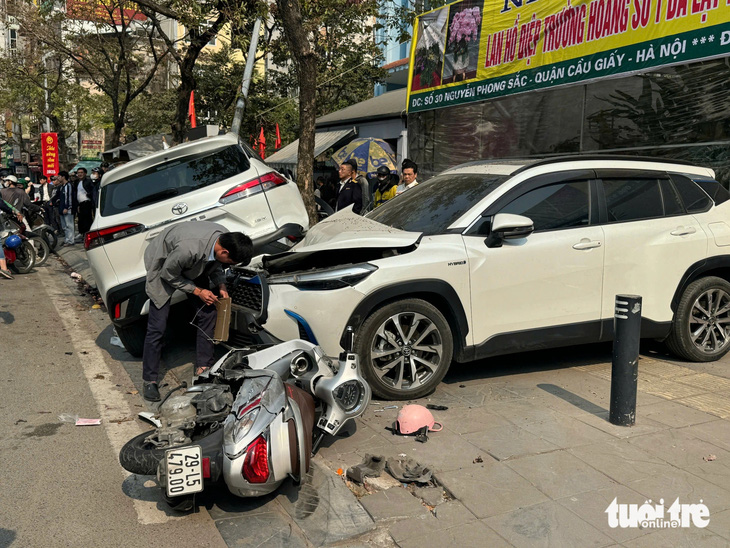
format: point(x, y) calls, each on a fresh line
point(184, 470)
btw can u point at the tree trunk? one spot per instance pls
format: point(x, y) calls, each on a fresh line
point(186, 87)
point(306, 62)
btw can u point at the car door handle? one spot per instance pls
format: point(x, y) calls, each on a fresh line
point(683, 231)
point(585, 243)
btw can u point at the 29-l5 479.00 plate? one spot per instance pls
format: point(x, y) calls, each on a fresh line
point(184, 470)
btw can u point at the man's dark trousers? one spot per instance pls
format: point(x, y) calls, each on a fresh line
point(156, 325)
point(86, 216)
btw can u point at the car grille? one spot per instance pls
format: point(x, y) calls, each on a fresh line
point(246, 295)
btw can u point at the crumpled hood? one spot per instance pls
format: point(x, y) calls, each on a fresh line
point(344, 238)
point(346, 229)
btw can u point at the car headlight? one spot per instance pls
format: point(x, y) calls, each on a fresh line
point(326, 278)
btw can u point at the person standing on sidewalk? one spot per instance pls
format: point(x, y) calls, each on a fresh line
point(188, 257)
point(349, 191)
point(65, 202)
point(84, 195)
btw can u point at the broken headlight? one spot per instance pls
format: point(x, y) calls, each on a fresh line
point(327, 278)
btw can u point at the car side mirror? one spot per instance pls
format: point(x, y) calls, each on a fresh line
point(507, 226)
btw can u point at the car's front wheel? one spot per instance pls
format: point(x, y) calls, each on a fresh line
point(701, 327)
point(405, 349)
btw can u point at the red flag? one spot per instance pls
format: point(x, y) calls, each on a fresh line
point(191, 110)
point(262, 144)
point(277, 143)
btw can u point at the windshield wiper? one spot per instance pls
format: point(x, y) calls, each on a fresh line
point(154, 197)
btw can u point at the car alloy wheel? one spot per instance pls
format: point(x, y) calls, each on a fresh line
point(701, 327)
point(405, 349)
point(710, 320)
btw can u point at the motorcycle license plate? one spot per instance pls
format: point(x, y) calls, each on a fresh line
point(184, 470)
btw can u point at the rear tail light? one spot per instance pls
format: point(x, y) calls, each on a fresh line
point(117, 311)
point(256, 464)
point(254, 186)
point(206, 467)
point(96, 238)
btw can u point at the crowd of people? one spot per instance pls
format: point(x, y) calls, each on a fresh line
point(353, 188)
point(65, 202)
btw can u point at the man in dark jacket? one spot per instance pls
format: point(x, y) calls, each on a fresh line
point(65, 202)
point(349, 192)
point(187, 257)
point(84, 196)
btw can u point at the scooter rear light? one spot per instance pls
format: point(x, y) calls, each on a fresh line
point(256, 463)
point(96, 238)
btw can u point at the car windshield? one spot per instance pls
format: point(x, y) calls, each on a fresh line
point(173, 178)
point(433, 206)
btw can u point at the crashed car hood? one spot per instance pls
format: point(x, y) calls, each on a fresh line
point(346, 229)
point(343, 238)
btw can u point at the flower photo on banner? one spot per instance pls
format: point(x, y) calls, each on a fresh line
point(462, 43)
point(429, 53)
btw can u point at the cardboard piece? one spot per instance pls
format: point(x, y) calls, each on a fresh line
point(223, 321)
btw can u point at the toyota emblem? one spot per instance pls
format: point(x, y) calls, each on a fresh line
point(179, 209)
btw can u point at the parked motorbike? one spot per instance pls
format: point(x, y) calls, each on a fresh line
point(254, 419)
point(19, 252)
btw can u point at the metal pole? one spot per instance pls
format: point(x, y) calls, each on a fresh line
point(625, 367)
point(250, 61)
point(45, 84)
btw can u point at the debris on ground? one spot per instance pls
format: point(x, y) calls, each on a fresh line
point(372, 465)
point(408, 470)
point(99, 376)
point(75, 275)
point(435, 407)
point(120, 421)
point(115, 340)
point(20, 420)
point(88, 422)
point(709, 458)
point(478, 459)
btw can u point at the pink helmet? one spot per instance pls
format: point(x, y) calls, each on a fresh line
point(414, 417)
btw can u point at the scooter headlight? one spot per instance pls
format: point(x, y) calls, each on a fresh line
point(236, 427)
point(349, 395)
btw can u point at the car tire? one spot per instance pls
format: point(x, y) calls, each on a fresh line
point(699, 330)
point(132, 337)
point(416, 370)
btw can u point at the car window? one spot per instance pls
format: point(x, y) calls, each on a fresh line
point(672, 202)
point(632, 199)
point(716, 191)
point(171, 179)
point(694, 198)
point(433, 206)
point(552, 207)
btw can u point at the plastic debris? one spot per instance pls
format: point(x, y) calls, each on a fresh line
point(149, 417)
point(68, 417)
point(115, 340)
point(88, 422)
point(709, 458)
point(95, 306)
point(436, 407)
point(478, 459)
point(75, 275)
point(340, 471)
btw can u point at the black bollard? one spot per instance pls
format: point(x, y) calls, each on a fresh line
point(625, 368)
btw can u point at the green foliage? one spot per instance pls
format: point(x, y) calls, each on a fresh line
point(349, 60)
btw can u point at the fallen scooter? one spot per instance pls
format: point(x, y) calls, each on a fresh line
point(254, 419)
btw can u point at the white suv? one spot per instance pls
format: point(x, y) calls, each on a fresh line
point(214, 179)
point(494, 258)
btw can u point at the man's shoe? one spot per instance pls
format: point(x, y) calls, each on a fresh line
point(150, 391)
point(6, 274)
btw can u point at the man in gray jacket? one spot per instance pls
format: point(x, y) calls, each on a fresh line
point(188, 257)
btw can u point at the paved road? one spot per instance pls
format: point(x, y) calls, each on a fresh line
point(62, 484)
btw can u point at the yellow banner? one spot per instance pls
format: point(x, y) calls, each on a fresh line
point(491, 48)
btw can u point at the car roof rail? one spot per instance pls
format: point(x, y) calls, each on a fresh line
point(584, 157)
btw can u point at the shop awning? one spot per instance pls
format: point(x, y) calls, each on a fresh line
point(322, 141)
